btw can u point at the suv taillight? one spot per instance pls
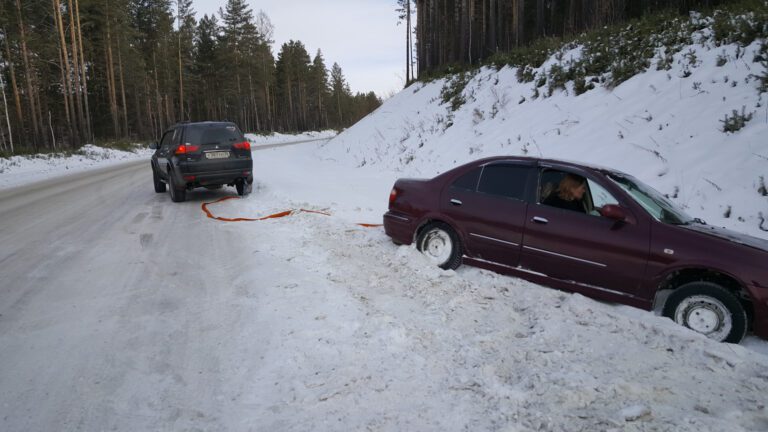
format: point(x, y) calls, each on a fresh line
point(245, 145)
point(186, 148)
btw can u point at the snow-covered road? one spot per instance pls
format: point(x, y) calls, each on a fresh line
point(120, 310)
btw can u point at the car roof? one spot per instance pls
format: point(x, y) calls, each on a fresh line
point(205, 123)
point(554, 162)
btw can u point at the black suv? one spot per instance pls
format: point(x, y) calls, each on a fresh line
point(205, 154)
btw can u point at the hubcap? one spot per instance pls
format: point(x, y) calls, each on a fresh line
point(705, 315)
point(438, 246)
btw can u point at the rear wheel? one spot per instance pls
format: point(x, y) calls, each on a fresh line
point(439, 243)
point(178, 192)
point(709, 309)
point(159, 185)
point(243, 188)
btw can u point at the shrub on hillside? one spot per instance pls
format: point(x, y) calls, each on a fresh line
point(558, 76)
point(453, 90)
point(762, 58)
point(736, 121)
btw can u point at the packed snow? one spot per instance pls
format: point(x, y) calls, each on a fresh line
point(374, 336)
point(332, 327)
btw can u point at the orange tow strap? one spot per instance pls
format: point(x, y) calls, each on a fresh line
point(281, 214)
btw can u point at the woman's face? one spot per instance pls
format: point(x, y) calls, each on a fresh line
point(578, 193)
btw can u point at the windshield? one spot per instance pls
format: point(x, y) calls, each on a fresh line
point(652, 201)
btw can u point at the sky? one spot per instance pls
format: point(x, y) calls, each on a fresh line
point(362, 36)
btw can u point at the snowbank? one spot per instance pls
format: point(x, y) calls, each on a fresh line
point(663, 127)
point(19, 170)
point(278, 138)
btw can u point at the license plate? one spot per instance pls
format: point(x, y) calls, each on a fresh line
point(217, 155)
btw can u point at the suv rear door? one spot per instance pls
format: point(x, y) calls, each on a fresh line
point(220, 146)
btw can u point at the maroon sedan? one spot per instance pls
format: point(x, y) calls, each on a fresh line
point(591, 230)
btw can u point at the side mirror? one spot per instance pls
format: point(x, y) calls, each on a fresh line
point(612, 211)
point(154, 145)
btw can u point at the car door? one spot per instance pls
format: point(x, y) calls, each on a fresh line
point(489, 206)
point(597, 253)
point(164, 153)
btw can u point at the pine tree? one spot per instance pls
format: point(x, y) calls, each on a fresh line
point(292, 76)
point(318, 93)
point(205, 68)
point(340, 97)
point(186, 33)
point(405, 13)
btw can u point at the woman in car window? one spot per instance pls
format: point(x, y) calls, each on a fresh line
point(569, 194)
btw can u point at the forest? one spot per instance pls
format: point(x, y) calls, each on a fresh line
point(91, 71)
point(460, 32)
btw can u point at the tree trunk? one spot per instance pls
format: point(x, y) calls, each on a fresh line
point(76, 70)
point(491, 41)
point(407, 42)
point(16, 96)
point(122, 87)
point(158, 99)
point(89, 130)
point(181, 69)
point(69, 107)
point(7, 116)
point(111, 79)
point(28, 77)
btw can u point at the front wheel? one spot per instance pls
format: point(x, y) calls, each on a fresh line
point(439, 243)
point(709, 309)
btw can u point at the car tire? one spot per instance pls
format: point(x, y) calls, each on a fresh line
point(709, 309)
point(178, 194)
point(159, 184)
point(243, 188)
point(440, 243)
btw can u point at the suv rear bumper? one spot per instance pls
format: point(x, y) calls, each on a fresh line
point(195, 174)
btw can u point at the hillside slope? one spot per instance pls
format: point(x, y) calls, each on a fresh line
point(662, 126)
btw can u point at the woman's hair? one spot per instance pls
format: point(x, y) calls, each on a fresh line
point(568, 184)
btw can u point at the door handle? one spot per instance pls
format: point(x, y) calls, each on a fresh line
point(540, 220)
point(456, 202)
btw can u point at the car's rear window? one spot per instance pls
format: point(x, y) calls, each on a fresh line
point(504, 180)
point(468, 181)
point(201, 135)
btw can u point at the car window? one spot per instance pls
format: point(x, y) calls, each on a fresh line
point(468, 181)
point(176, 137)
point(600, 197)
point(204, 134)
point(550, 179)
point(573, 197)
point(166, 141)
point(504, 180)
